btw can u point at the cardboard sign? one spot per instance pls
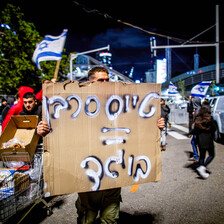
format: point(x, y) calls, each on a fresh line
point(103, 135)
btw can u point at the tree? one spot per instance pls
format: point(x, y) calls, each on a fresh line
point(212, 88)
point(18, 40)
point(181, 86)
point(48, 69)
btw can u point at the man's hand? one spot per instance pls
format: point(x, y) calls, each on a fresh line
point(161, 123)
point(43, 128)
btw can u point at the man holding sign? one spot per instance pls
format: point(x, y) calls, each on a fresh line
point(106, 201)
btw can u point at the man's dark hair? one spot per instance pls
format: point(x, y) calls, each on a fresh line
point(96, 69)
point(29, 95)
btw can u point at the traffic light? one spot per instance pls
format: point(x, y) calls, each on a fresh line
point(153, 44)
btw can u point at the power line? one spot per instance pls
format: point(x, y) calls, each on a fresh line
point(204, 31)
point(105, 15)
point(179, 40)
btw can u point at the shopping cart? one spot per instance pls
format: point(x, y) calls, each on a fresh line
point(21, 186)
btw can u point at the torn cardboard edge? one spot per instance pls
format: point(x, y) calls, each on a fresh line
point(74, 148)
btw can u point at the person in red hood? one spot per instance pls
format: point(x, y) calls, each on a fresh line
point(39, 95)
point(15, 110)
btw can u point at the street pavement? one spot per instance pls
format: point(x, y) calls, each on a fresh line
point(180, 197)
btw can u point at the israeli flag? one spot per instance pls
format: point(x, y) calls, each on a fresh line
point(200, 89)
point(172, 89)
point(50, 48)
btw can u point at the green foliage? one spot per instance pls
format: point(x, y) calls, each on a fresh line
point(212, 88)
point(16, 50)
point(181, 86)
point(17, 46)
point(48, 69)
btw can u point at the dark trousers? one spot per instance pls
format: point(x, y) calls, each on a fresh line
point(190, 122)
point(211, 155)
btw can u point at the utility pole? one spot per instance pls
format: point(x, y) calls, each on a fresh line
point(168, 61)
point(217, 45)
point(196, 61)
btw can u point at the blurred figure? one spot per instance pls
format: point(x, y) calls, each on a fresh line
point(204, 130)
point(190, 110)
point(10, 103)
point(196, 108)
point(2, 107)
point(17, 98)
point(165, 110)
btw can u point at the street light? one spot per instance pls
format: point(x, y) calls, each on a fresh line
point(74, 56)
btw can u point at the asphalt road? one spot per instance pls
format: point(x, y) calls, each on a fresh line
point(181, 197)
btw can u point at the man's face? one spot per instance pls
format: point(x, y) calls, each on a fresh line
point(4, 103)
point(29, 104)
point(99, 77)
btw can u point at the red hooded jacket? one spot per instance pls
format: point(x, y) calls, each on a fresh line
point(15, 110)
point(39, 95)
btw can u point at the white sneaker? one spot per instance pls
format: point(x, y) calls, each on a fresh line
point(202, 172)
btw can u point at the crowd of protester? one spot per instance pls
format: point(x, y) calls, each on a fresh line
point(201, 127)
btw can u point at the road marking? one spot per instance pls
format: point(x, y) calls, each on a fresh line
point(180, 128)
point(176, 135)
point(134, 188)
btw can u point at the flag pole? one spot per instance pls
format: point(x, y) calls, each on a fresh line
point(57, 69)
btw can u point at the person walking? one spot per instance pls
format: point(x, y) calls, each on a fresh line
point(107, 202)
point(165, 110)
point(190, 110)
point(196, 108)
point(204, 130)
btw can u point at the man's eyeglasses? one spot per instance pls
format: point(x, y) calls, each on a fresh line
point(103, 80)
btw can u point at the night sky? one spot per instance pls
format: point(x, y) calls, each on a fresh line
point(89, 27)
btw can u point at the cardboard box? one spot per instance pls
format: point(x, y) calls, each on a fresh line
point(104, 135)
point(24, 129)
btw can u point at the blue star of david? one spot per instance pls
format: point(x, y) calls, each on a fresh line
point(201, 89)
point(43, 45)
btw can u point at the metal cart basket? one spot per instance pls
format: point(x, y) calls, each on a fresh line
point(21, 186)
